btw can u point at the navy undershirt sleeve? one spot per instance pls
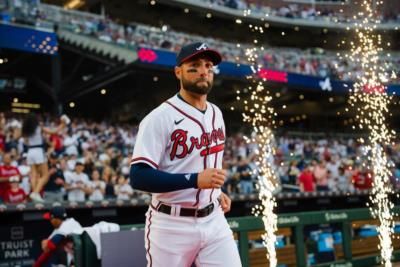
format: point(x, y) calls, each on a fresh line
point(57, 239)
point(145, 178)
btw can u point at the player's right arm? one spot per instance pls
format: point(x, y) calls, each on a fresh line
point(151, 142)
point(145, 178)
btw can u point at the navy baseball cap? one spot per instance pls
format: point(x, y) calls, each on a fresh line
point(191, 50)
point(58, 212)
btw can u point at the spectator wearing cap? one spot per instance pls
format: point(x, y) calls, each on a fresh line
point(60, 237)
point(6, 172)
point(54, 189)
point(15, 194)
point(77, 183)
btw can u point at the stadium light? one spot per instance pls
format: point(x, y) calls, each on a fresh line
point(73, 4)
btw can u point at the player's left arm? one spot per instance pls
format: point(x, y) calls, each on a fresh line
point(225, 202)
point(48, 246)
point(52, 243)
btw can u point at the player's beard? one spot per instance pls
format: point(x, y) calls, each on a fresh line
point(195, 88)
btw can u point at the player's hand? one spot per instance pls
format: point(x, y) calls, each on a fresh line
point(44, 244)
point(211, 178)
point(225, 202)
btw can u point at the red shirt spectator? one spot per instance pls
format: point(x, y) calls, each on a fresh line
point(6, 171)
point(2, 142)
point(15, 196)
point(362, 180)
point(57, 142)
point(306, 180)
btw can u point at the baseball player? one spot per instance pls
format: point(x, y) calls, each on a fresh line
point(59, 238)
point(178, 158)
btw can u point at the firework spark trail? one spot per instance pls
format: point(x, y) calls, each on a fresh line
point(267, 186)
point(261, 117)
point(370, 101)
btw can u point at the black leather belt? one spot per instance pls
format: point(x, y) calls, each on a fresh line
point(187, 212)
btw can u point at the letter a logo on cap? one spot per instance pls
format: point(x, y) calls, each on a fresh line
point(202, 47)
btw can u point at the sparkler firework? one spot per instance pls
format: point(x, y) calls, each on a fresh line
point(260, 115)
point(370, 101)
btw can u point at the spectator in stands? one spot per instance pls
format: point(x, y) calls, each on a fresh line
point(70, 144)
point(395, 177)
point(76, 184)
point(14, 194)
point(232, 179)
point(306, 180)
point(97, 187)
point(25, 171)
point(54, 189)
point(321, 176)
point(33, 132)
point(6, 172)
point(56, 141)
point(282, 172)
point(13, 132)
point(362, 179)
point(293, 172)
point(245, 176)
point(108, 177)
point(123, 189)
point(333, 165)
point(343, 181)
point(2, 133)
point(89, 162)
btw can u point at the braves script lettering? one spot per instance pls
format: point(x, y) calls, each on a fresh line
point(179, 139)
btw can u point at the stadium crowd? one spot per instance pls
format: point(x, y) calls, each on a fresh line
point(306, 11)
point(90, 161)
point(313, 61)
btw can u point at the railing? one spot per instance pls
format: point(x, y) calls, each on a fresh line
point(85, 253)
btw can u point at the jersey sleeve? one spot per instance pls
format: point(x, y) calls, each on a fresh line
point(68, 178)
point(151, 141)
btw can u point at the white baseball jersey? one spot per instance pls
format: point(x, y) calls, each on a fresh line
point(68, 227)
point(177, 138)
point(76, 179)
